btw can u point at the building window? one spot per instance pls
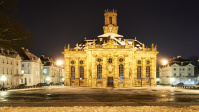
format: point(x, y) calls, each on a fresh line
point(11, 71)
point(11, 81)
point(21, 80)
point(3, 71)
point(99, 60)
point(180, 74)
point(81, 72)
point(110, 20)
point(100, 39)
point(7, 70)
point(72, 62)
point(174, 69)
point(7, 62)
point(148, 72)
point(189, 74)
point(121, 60)
point(72, 72)
point(189, 68)
point(22, 65)
point(110, 60)
point(11, 62)
point(29, 80)
point(148, 62)
point(99, 71)
point(174, 74)
point(183, 69)
point(45, 71)
point(7, 82)
point(81, 62)
point(3, 60)
point(139, 62)
point(121, 71)
point(139, 72)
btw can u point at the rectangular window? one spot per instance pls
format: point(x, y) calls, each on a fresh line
point(139, 72)
point(22, 65)
point(3, 71)
point(7, 82)
point(148, 72)
point(174, 69)
point(7, 70)
point(11, 71)
point(11, 81)
point(45, 71)
point(174, 74)
point(21, 80)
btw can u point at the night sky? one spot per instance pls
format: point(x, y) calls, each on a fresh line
point(172, 25)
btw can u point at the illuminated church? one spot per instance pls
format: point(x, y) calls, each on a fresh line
point(110, 60)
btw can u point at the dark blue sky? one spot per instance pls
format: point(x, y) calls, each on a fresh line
point(171, 24)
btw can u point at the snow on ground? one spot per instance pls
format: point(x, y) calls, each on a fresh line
point(101, 109)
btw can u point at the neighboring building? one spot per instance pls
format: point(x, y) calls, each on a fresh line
point(177, 71)
point(10, 66)
point(110, 60)
point(31, 67)
point(51, 71)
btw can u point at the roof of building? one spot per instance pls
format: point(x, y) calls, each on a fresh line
point(47, 61)
point(8, 52)
point(27, 56)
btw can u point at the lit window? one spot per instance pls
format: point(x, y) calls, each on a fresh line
point(148, 72)
point(139, 72)
point(121, 71)
point(22, 71)
point(45, 71)
point(99, 71)
point(81, 72)
point(72, 72)
point(100, 39)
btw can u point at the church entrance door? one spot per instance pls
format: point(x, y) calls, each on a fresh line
point(110, 81)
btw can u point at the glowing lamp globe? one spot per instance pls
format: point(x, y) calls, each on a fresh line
point(59, 63)
point(164, 62)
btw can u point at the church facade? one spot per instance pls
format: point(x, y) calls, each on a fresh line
point(110, 60)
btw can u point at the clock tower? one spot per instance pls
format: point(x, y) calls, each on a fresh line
point(110, 21)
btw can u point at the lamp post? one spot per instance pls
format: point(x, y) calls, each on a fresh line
point(3, 78)
point(47, 79)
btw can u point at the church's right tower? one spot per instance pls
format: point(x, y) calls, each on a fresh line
point(110, 21)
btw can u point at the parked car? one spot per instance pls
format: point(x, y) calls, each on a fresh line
point(180, 84)
point(21, 86)
point(51, 83)
point(42, 84)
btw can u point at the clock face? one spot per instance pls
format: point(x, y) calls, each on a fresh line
point(110, 28)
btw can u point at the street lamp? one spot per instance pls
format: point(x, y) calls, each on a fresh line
point(59, 62)
point(47, 79)
point(3, 78)
point(164, 62)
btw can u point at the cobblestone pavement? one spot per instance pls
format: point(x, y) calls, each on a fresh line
point(57, 96)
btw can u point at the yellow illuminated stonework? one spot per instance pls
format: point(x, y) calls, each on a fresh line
point(110, 60)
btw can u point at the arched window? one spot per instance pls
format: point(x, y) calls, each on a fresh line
point(81, 72)
point(148, 72)
point(99, 71)
point(110, 20)
point(110, 60)
point(121, 71)
point(139, 72)
point(72, 72)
